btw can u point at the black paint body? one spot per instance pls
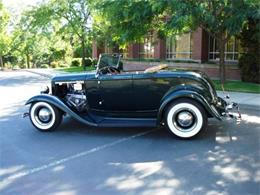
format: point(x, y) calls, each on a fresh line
point(134, 98)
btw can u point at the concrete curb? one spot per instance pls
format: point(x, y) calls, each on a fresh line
point(49, 76)
point(241, 105)
point(249, 107)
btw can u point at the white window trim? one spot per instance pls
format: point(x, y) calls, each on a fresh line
point(176, 53)
point(214, 53)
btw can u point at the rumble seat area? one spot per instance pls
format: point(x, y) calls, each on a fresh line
point(156, 68)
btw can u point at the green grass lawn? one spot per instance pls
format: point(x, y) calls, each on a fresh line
point(75, 69)
point(238, 86)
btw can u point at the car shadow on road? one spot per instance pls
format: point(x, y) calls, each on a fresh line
point(221, 160)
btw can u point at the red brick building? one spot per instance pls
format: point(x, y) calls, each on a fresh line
point(196, 47)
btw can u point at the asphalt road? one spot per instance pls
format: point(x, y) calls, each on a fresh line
point(77, 159)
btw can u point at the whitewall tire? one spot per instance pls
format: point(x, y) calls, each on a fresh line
point(185, 118)
point(45, 116)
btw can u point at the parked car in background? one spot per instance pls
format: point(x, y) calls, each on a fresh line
point(181, 100)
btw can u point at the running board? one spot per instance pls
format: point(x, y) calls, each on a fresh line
point(127, 122)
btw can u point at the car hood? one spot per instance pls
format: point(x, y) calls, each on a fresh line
point(73, 77)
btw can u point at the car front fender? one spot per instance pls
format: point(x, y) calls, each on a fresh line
point(59, 104)
point(186, 94)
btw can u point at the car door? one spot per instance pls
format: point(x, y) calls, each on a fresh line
point(116, 92)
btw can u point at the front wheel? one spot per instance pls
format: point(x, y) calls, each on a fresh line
point(45, 116)
point(186, 118)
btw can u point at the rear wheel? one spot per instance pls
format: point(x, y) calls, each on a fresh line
point(186, 118)
point(45, 116)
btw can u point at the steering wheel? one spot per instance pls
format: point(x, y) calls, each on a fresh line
point(109, 69)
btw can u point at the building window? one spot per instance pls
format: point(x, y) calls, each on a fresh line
point(179, 46)
point(232, 49)
point(147, 48)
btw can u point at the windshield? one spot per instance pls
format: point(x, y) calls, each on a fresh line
point(109, 60)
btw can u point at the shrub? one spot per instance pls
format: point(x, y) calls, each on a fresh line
point(88, 62)
point(76, 62)
point(249, 62)
point(44, 66)
point(94, 62)
point(22, 66)
point(15, 67)
point(64, 65)
point(54, 64)
point(8, 65)
point(250, 68)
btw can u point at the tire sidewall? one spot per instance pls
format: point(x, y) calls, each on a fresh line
point(55, 120)
point(198, 111)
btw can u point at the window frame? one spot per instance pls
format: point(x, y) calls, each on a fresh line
point(172, 54)
point(214, 52)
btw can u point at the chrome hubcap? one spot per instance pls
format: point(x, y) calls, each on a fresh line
point(185, 119)
point(44, 114)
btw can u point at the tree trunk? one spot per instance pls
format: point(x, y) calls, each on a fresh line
point(28, 60)
point(83, 53)
point(1, 61)
point(222, 68)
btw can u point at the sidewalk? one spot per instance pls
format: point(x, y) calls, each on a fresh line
point(245, 100)
point(49, 73)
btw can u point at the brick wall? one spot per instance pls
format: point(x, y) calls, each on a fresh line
point(200, 50)
point(96, 50)
point(200, 45)
point(160, 49)
point(212, 70)
point(133, 50)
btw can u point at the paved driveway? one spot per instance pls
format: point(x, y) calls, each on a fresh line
point(77, 159)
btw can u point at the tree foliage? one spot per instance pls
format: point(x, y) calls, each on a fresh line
point(35, 46)
point(220, 18)
point(123, 20)
point(54, 30)
point(72, 17)
point(4, 38)
point(249, 61)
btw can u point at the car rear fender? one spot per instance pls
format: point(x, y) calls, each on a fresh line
point(59, 104)
point(174, 95)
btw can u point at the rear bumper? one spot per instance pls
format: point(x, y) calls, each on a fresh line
point(228, 109)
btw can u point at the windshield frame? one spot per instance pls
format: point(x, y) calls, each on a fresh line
point(102, 64)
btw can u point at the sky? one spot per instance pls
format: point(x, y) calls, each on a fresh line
point(16, 7)
point(16, 3)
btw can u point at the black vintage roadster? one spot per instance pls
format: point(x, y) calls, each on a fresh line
point(109, 97)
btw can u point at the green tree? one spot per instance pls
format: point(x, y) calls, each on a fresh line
point(73, 17)
point(25, 39)
point(123, 21)
point(38, 45)
point(220, 18)
point(249, 61)
point(4, 38)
